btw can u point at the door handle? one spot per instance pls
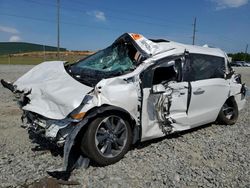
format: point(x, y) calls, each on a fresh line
point(199, 91)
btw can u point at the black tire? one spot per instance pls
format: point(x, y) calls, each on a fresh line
point(104, 144)
point(229, 113)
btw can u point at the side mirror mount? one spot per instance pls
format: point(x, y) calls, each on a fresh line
point(229, 74)
point(158, 89)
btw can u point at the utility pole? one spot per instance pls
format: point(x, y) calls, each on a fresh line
point(58, 29)
point(9, 58)
point(246, 53)
point(44, 59)
point(194, 30)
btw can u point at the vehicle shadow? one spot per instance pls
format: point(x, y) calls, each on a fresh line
point(141, 145)
point(44, 145)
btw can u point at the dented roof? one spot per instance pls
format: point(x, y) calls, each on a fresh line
point(154, 48)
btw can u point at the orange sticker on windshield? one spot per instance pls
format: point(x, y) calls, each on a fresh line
point(136, 36)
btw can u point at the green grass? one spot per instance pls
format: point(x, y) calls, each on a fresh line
point(20, 60)
point(27, 60)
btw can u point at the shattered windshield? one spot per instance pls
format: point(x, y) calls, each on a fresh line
point(112, 61)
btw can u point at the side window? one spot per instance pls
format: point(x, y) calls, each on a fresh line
point(170, 71)
point(200, 67)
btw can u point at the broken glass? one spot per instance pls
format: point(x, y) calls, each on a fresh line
point(112, 61)
point(113, 58)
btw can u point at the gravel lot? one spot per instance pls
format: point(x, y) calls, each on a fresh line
point(212, 156)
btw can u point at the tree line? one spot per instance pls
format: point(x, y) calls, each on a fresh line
point(240, 56)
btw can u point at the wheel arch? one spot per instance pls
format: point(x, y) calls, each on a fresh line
point(72, 152)
point(98, 111)
point(221, 118)
point(231, 100)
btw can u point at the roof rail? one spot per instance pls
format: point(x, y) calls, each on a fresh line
point(159, 40)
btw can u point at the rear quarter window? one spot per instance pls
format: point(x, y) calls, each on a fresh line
point(200, 67)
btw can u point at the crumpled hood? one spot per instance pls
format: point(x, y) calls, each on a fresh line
point(54, 93)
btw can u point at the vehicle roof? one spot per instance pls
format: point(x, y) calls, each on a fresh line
point(160, 46)
point(191, 48)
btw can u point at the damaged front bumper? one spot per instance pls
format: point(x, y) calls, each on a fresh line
point(55, 131)
point(61, 132)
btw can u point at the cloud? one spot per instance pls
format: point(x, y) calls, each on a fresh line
point(9, 30)
point(99, 15)
point(15, 38)
point(222, 4)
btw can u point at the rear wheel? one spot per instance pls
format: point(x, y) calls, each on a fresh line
point(107, 139)
point(229, 112)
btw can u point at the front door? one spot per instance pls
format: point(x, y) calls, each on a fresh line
point(165, 101)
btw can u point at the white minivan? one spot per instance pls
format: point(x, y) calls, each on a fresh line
point(135, 90)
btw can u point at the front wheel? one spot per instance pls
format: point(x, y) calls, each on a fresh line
point(107, 139)
point(229, 112)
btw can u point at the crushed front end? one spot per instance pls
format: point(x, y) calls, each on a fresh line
point(47, 94)
point(53, 130)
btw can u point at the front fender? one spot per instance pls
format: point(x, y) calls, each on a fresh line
point(72, 155)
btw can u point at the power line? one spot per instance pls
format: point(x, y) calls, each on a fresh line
point(127, 12)
point(28, 17)
point(224, 38)
point(113, 17)
point(62, 22)
point(43, 3)
point(54, 21)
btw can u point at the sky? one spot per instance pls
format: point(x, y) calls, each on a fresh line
point(95, 24)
